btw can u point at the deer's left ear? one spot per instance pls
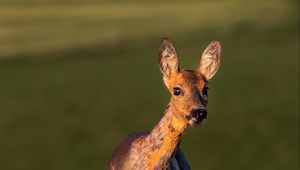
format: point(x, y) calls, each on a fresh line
point(168, 61)
point(210, 60)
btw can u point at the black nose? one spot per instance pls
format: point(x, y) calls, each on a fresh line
point(199, 113)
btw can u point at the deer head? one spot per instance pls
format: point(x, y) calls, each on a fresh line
point(189, 89)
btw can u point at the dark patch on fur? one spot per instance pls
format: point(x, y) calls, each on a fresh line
point(189, 117)
point(156, 145)
point(157, 140)
point(172, 129)
point(180, 135)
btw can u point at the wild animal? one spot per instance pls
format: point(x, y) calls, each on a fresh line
point(159, 148)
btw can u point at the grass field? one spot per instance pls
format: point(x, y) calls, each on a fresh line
point(76, 78)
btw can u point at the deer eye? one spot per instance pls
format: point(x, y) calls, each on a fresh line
point(205, 91)
point(177, 91)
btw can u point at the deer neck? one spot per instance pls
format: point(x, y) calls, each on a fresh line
point(165, 136)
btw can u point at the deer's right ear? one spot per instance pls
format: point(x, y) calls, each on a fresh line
point(168, 61)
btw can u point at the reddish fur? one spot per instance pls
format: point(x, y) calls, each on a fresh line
point(155, 149)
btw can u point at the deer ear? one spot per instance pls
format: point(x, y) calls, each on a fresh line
point(210, 60)
point(168, 61)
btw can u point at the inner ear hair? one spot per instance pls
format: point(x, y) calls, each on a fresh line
point(168, 60)
point(210, 60)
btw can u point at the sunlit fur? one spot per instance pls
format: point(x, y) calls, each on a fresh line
point(192, 84)
point(159, 148)
point(154, 149)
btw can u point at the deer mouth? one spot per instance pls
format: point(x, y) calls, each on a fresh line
point(197, 115)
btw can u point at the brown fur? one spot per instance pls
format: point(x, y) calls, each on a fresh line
point(160, 147)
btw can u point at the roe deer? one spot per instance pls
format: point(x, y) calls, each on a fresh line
point(159, 148)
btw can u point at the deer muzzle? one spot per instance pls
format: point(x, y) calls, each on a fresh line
point(197, 115)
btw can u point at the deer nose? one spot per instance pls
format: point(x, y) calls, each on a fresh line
point(199, 113)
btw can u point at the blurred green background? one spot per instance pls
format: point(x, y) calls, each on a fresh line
point(77, 76)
